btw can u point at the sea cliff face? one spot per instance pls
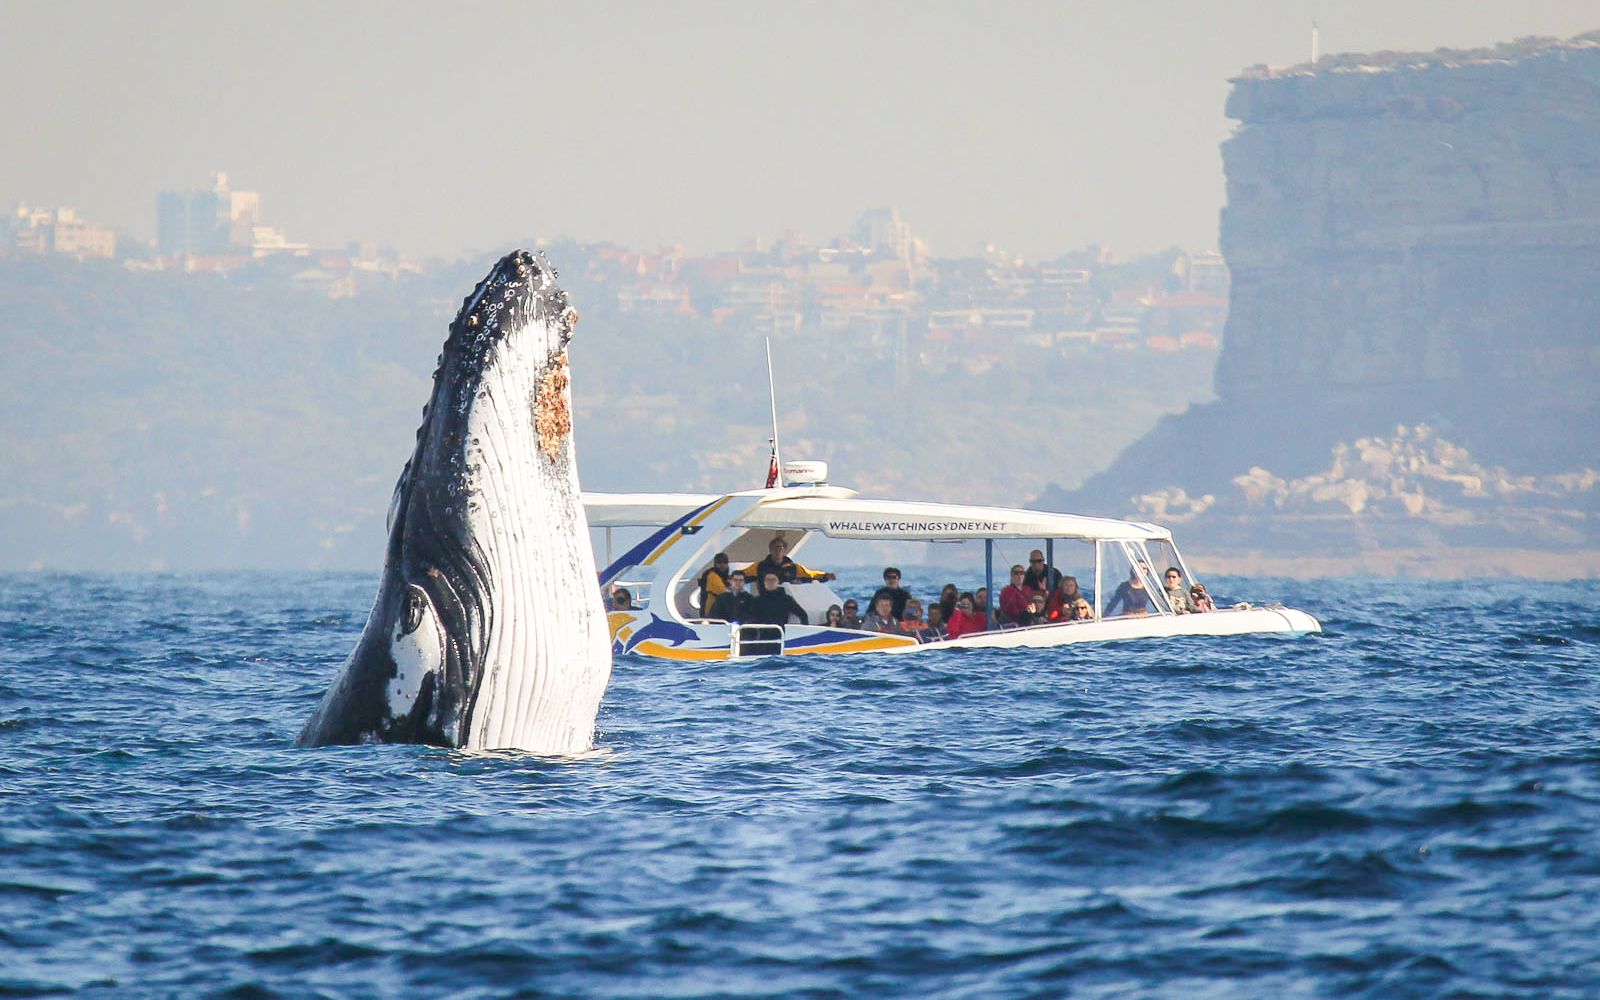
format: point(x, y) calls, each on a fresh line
point(1414, 243)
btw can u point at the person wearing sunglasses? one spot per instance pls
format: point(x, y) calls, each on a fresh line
point(1040, 577)
point(1014, 597)
point(1177, 593)
point(898, 595)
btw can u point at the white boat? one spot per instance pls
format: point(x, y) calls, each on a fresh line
point(685, 532)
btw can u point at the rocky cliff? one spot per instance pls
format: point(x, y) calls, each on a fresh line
point(1415, 249)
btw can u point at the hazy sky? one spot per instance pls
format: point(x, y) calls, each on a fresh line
point(439, 128)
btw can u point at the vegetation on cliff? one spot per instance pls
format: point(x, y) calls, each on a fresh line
point(170, 420)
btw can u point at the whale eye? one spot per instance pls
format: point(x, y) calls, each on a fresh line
point(416, 604)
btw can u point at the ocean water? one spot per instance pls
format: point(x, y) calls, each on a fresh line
point(1406, 805)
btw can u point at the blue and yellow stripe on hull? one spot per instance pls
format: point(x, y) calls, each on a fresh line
point(625, 625)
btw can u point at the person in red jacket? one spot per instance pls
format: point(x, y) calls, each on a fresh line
point(964, 620)
point(1014, 597)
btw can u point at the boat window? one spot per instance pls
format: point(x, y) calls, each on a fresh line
point(1074, 558)
point(1163, 554)
point(1123, 563)
point(630, 579)
point(1062, 557)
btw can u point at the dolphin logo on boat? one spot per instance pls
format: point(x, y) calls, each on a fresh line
point(672, 633)
point(487, 630)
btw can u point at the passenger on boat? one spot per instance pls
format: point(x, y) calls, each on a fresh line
point(733, 604)
point(852, 619)
point(936, 619)
point(1033, 614)
point(965, 620)
point(1040, 577)
point(713, 582)
point(1062, 600)
point(881, 618)
point(898, 594)
point(774, 606)
point(913, 623)
point(1202, 600)
point(834, 616)
point(788, 571)
point(1082, 611)
point(980, 604)
point(1013, 597)
point(947, 600)
point(1177, 594)
point(1131, 597)
point(621, 599)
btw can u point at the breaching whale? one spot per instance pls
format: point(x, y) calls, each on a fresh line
point(487, 631)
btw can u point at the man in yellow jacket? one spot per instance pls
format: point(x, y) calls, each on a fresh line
point(778, 561)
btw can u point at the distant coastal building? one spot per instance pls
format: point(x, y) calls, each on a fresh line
point(56, 231)
point(882, 229)
point(217, 222)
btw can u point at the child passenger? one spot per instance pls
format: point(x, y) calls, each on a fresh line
point(913, 623)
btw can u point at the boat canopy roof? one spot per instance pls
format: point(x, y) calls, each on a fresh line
point(839, 513)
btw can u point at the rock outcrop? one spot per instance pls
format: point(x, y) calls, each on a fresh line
point(1414, 240)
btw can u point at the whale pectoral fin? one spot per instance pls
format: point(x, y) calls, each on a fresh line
point(417, 648)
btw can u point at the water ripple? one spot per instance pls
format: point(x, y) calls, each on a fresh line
point(1405, 805)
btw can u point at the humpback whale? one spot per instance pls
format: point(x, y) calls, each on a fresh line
point(487, 631)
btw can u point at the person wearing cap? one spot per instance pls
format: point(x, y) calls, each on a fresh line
point(713, 583)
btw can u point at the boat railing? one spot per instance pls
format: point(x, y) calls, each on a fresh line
point(755, 640)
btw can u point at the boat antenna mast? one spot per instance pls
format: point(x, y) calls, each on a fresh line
point(775, 468)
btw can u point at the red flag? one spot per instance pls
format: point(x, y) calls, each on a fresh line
point(772, 468)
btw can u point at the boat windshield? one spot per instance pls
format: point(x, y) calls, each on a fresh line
point(1129, 580)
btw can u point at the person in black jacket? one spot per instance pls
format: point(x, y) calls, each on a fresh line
point(897, 594)
point(733, 605)
point(1040, 577)
point(774, 606)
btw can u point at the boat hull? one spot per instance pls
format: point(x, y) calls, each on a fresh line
point(1241, 621)
point(648, 635)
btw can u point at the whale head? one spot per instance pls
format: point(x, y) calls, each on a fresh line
point(487, 631)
